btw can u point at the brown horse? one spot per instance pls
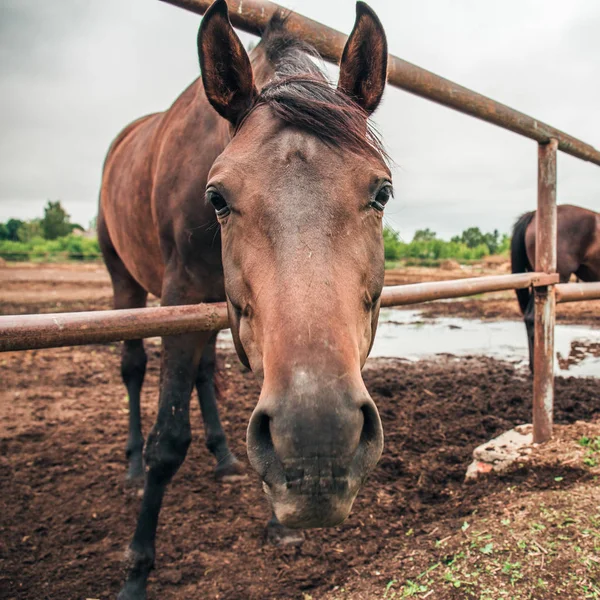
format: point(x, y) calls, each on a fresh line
point(262, 185)
point(577, 252)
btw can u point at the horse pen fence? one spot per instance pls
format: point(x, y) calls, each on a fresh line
point(25, 332)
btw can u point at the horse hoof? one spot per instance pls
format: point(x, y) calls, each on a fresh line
point(134, 481)
point(131, 592)
point(135, 478)
point(135, 472)
point(230, 470)
point(139, 565)
point(279, 536)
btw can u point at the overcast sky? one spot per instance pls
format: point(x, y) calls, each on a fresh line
point(74, 72)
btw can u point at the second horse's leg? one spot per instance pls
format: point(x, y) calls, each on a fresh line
point(228, 466)
point(133, 368)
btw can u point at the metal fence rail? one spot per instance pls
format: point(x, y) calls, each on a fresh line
point(576, 292)
point(53, 330)
point(414, 293)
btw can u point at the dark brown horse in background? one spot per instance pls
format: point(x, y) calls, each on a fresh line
point(577, 252)
point(264, 186)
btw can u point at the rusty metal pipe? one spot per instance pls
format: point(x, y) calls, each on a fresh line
point(455, 288)
point(544, 297)
point(575, 292)
point(29, 332)
point(252, 16)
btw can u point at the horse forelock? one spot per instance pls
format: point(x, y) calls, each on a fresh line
point(288, 54)
point(300, 94)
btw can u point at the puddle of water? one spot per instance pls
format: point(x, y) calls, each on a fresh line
point(404, 334)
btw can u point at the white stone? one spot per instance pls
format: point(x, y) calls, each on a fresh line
point(501, 452)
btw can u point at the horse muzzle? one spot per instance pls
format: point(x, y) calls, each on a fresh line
point(313, 454)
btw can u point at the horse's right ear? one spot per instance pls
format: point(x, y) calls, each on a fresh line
point(363, 68)
point(226, 71)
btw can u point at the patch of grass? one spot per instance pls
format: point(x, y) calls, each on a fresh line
point(539, 549)
point(592, 454)
point(513, 570)
point(593, 443)
point(69, 247)
point(487, 549)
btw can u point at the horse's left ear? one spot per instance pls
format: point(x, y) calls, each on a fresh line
point(363, 68)
point(226, 71)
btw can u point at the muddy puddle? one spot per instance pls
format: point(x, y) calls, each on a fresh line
point(405, 334)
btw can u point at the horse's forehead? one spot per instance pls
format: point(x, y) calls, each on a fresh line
point(295, 145)
point(268, 152)
point(270, 140)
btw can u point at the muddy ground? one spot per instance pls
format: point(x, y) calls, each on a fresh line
point(66, 515)
point(417, 530)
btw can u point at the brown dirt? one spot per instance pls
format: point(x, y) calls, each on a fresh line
point(66, 515)
point(31, 288)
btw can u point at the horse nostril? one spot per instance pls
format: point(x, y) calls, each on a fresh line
point(261, 451)
point(260, 433)
point(371, 431)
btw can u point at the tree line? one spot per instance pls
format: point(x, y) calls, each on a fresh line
point(471, 244)
point(55, 223)
point(48, 238)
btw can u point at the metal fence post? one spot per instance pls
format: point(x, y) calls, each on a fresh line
point(545, 300)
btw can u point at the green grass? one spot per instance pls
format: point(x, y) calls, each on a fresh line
point(592, 450)
point(434, 249)
point(69, 247)
point(515, 563)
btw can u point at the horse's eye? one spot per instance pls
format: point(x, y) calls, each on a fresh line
point(383, 195)
point(218, 202)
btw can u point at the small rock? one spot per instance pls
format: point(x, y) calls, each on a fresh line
point(172, 576)
point(501, 452)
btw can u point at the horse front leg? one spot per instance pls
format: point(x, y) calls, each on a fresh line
point(166, 448)
point(228, 467)
point(133, 369)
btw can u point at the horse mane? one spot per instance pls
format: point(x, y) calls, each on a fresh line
point(288, 54)
point(300, 94)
